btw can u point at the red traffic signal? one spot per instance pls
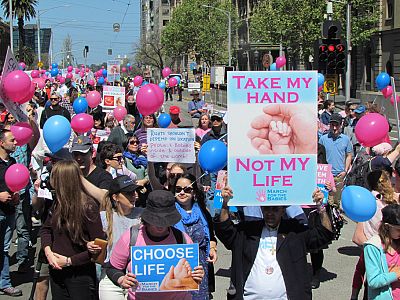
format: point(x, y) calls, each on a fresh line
point(331, 48)
point(340, 47)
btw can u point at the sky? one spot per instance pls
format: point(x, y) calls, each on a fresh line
point(90, 22)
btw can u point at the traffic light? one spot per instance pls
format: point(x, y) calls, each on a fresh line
point(331, 29)
point(322, 57)
point(340, 58)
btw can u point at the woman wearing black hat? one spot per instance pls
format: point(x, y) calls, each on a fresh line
point(382, 257)
point(158, 219)
point(118, 214)
point(197, 223)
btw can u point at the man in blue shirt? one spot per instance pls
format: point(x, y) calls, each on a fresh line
point(339, 151)
point(195, 107)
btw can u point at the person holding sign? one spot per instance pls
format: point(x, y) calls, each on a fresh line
point(158, 219)
point(269, 256)
point(197, 223)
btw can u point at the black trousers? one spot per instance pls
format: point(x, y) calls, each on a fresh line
point(74, 283)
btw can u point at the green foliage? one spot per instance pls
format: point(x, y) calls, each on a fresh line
point(194, 27)
point(299, 22)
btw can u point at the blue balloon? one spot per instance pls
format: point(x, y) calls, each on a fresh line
point(128, 65)
point(321, 79)
point(101, 81)
point(164, 120)
point(47, 73)
point(144, 83)
point(56, 132)
point(104, 73)
point(162, 85)
point(213, 156)
point(273, 67)
point(382, 80)
point(358, 203)
point(178, 79)
point(80, 105)
point(54, 72)
point(54, 65)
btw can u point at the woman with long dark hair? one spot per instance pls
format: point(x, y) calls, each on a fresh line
point(73, 221)
point(197, 223)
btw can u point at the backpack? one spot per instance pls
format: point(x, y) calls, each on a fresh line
point(359, 171)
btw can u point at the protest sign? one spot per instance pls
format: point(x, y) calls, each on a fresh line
point(98, 136)
point(220, 184)
point(11, 64)
point(162, 268)
point(171, 145)
point(113, 96)
point(324, 174)
point(272, 149)
point(113, 70)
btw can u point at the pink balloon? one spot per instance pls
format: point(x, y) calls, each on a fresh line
point(392, 99)
point(93, 99)
point(58, 77)
point(16, 85)
point(123, 69)
point(371, 129)
point(87, 70)
point(172, 82)
point(280, 61)
point(22, 65)
point(51, 79)
point(82, 74)
point(148, 99)
point(22, 133)
point(166, 72)
point(69, 75)
point(17, 177)
point(42, 71)
point(102, 67)
point(320, 88)
point(138, 80)
point(387, 91)
point(29, 94)
point(82, 66)
point(91, 82)
point(69, 69)
point(82, 123)
point(77, 70)
point(35, 74)
point(41, 83)
point(120, 112)
point(159, 92)
point(62, 80)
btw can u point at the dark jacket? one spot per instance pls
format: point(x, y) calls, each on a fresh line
point(212, 135)
point(50, 111)
point(293, 242)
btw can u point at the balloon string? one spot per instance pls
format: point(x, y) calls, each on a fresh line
point(352, 165)
point(222, 136)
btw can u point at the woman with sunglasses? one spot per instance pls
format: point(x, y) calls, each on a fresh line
point(136, 161)
point(197, 223)
point(173, 171)
point(382, 257)
point(113, 162)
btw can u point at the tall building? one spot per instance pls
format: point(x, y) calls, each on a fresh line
point(31, 38)
point(154, 16)
point(4, 41)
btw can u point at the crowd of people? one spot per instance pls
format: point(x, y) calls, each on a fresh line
point(99, 196)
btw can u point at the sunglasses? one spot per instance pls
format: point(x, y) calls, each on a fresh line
point(134, 143)
point(175, 175)
point(186, 189)
point(53, 99)
point(216, 119)
point(119, 158)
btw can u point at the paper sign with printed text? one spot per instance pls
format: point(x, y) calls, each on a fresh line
point(164, 268)
point(171, 145)
point(272, 146)
point(113, 96)
point(113, 70)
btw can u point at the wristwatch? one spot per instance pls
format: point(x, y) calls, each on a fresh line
point(68, 262)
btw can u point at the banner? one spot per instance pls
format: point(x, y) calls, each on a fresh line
point(113, 96)
point(113, 70)
point(17, 110)
point(273, 142)
point(171, 145)
point(324, 174)
point(165, 267)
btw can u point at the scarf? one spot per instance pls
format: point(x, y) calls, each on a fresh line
point(191, 218)
point(137, 160)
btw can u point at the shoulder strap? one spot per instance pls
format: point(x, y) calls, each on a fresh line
point(179, 236)
point(134, 230)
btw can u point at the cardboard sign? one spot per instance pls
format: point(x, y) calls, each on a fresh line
point(272, 155)
point(171, 145)
point(113, 70)
point(11, 64)
point(160, 268)
point(324, 173)
point(113, 96)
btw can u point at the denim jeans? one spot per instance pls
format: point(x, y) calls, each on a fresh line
point(23, 227)
point(7, 224)
point(210, 193)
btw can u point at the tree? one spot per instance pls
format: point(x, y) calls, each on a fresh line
point(298, 22)
point(68, 57)
point(199, 29)
point(23, 10)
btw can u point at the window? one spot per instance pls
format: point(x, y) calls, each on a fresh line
point(389, 9)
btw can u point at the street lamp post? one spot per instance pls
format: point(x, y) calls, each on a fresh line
point(38, 26)
point(256, 55)
point(11, 26)
point(227, 13)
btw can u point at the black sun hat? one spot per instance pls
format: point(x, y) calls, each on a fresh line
point(122, 184)
point(160, 209)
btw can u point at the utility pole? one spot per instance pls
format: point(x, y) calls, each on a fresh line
point(11, 26)
point(38, 36)
point(348, 41)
